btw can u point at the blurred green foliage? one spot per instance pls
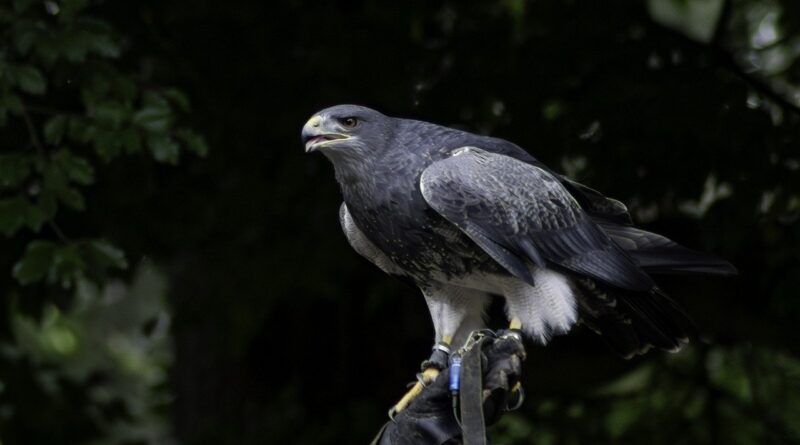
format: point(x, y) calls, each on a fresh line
point(66, 103)
point(89, 363)
point(717, 394)
point(273, 330)
point(114, 344)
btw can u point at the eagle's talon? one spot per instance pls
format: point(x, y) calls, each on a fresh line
point(428, 376)
point(516, 399)
point(436, 361)
point(424, 379)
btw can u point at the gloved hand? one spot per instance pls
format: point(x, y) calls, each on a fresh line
point(430, 418)
point(504, 358)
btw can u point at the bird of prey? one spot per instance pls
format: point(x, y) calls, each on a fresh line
point(466, 217)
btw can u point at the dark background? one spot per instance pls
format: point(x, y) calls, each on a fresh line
point(267, 328)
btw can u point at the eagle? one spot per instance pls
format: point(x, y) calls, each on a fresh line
point(467, 217)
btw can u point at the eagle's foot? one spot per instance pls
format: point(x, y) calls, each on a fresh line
point(438, 358)
point(430, 370)
point(424, 379)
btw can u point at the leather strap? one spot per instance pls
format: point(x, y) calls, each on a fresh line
point(473, 425)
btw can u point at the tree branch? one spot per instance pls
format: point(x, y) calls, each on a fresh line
point(755, 82)
point(727, 61)
point(64, 239)
point(37, 143)
point(721, 27)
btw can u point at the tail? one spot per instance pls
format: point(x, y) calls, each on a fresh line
point(632, 323)
point(659, 255)
point(680, 260)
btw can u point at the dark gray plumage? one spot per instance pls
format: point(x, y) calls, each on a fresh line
point(465, 216)
point(507, 206)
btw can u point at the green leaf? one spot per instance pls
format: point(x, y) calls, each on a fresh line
point(73, 7)
point(125, 90)
point(153, 118)
point(104, 45)
point(21, 5)
point(80, 131)
point(48, 203)
point(552, 110)
point(194, 142)
point(106, 143)
point(35, 262)
point(105, 255)
point(13, 104)
point(12, 215)
point(630, 383)
point(130, 139)
point(72, 198)
point(110, 114)
point(24, 37)
point(36, 216)
point(67, 264)
point(75, 45)
point(178, 98)
point(97, 90)
point(696, 19)
point(55, 178)
point(164, 149)
point(47, 49)
point(76, 168)
point(30, 80)
point(727, 371)
point(621, 417)
point(54, 129)
point(14, 169)
point(155, 100)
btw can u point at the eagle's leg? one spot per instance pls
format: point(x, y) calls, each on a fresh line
point(456, 311)
point(430, 370)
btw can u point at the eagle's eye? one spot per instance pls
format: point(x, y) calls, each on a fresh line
point(348, 122)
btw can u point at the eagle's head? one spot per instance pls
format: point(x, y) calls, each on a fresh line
point(346, 133)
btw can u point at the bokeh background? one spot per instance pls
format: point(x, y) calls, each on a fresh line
point(172, 268)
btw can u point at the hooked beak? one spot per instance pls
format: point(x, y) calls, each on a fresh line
point(315, 136)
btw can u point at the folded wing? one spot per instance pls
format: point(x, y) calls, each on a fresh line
point(518, 212)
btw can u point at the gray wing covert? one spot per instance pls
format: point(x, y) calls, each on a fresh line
point(516, 211)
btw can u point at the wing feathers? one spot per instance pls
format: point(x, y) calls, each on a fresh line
point(503, 256)
point(530, 250)
point(633, 322)
point(500, 201)
point(658, 254)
